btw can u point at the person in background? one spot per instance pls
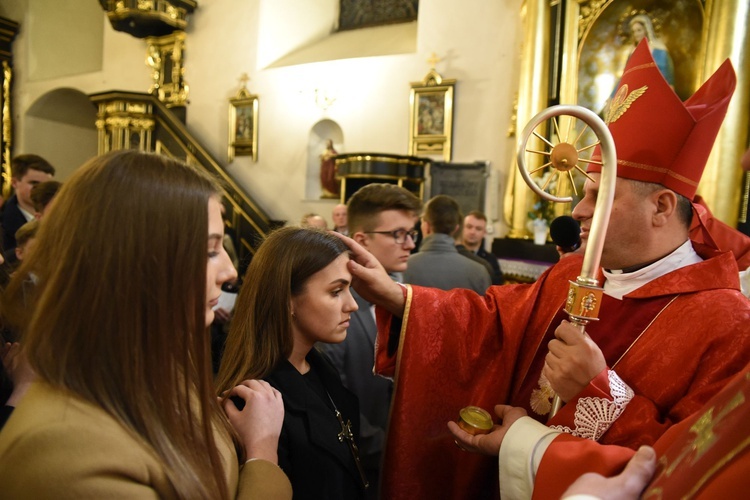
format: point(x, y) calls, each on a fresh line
point(438, 264)
point(15, 374)
point(296, 294)
point(472, 239)
point(124, 405)
point(313, 220)
point(26, 239)
point(26, 172)
point(339, 216)
point(42, 195)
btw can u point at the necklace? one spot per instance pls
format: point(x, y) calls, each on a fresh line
point(346, 435)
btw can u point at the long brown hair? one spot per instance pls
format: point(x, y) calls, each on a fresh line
point(119, 274)
point(261, 332)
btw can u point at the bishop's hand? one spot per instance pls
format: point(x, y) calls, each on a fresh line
point(371, 280)
point(487, 444)
point(572, 362)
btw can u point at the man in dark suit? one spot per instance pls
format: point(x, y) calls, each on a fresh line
point(26, 172)
point(382, 218)
point(472, 239)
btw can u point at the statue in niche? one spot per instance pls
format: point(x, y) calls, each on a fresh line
point(328, 183)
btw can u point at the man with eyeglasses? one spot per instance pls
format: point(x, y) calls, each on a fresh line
point(438, 263)
point(382, 218)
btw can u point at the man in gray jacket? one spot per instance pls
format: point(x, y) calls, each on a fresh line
point(438, 264)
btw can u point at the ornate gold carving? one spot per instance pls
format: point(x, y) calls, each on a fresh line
point(589, 11)
point(622, 102)
point(163, 53)
point(583, 301)
point(149, 16)
point(7, 128)
point(123, 125)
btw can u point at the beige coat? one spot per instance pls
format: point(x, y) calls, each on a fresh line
point(58, 446)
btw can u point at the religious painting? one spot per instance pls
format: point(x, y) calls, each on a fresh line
point(243, 125)
point(609, 36)
point(355, 14)
point(672, 28)
point(431, 117)
point(576, 52)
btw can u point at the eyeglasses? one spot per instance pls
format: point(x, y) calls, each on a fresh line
point(399, 235)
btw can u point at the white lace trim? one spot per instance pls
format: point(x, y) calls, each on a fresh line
point(594, 416)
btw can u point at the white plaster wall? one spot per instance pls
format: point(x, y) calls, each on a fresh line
point(477, 39)
point(122, 67)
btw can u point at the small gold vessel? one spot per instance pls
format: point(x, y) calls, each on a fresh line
point(475, 420)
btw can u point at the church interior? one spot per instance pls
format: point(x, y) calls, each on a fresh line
point(267, 115)
point(96, 76)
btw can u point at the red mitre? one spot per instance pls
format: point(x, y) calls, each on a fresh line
point(659, 138)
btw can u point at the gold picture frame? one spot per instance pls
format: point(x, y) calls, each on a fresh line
point(243, 125)
point(431, 116)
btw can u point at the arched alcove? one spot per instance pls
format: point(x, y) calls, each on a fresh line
point(61, 127)
point(320, 133)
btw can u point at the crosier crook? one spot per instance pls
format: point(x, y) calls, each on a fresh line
point(584, 294)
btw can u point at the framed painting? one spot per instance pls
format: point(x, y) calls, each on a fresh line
point(431, 116)
point(579, 48)
point(243, 125)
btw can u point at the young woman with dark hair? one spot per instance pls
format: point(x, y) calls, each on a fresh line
point(296, 293)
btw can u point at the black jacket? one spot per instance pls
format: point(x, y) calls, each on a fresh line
point(310, 453)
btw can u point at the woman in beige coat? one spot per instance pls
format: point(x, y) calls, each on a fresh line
point(122, 285)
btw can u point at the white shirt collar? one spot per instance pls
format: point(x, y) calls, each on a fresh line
point(617, 284)
point(27, 215)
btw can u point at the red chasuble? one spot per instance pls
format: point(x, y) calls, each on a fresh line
point(706, 456)
point(457, 348)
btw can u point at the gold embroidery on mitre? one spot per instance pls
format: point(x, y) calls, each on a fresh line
point(622, 101)
point(541, 399)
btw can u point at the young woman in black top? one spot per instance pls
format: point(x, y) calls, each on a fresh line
point(296, 293)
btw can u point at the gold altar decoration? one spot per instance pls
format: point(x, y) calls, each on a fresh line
point(7, 136)
point(165, 55)
point(142, 18)
point(593, 44)
point(122, 124)
point(8, 31)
